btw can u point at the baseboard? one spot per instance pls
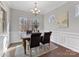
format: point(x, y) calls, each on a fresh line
point(16, 42)
point(73, 49)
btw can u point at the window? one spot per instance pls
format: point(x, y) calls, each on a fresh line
point(51, 18)
point(23, 23)
point(77, 10)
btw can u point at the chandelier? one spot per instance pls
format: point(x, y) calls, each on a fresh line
point(35, 11)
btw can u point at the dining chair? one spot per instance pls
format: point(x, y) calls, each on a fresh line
point(34, 41)
point(29, 31)
point(46, 38)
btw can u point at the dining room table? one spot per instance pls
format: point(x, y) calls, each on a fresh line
point(26, 37)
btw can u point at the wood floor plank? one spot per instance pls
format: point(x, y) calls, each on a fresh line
point(61, 52)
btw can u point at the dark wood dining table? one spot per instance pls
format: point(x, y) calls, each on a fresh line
point(27, 37)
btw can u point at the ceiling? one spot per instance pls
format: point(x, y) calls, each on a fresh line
point(44, 6)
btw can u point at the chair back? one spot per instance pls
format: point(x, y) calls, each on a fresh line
point(35, 40)
point(46, 38)
point(29, 31)
point(50, 32)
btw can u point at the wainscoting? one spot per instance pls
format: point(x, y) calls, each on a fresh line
point(3, 44)
point(66, 39)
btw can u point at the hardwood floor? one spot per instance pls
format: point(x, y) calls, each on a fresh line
point(61, 52)
point(58, 52)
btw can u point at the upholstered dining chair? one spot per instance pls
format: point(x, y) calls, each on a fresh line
point(46, 38)
point(29, 31)
point(34, 41)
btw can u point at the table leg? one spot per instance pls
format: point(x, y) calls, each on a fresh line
point(24, 45)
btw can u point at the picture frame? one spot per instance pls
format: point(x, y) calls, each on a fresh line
point(63, 20)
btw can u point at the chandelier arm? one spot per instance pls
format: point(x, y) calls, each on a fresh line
point(35, 5)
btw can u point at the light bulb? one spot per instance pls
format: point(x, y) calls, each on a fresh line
point(38, 10)
point(33, 12)
point(35, 9)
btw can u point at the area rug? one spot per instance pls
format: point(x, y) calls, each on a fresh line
point(18, 51)
point(67, 53)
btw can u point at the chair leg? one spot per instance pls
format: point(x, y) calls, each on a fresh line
point(28, 47)
point(24, 45)
point(44, 47)
point(36, 50)
point(30, 52)
point(49, 45)
point(39, 48)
